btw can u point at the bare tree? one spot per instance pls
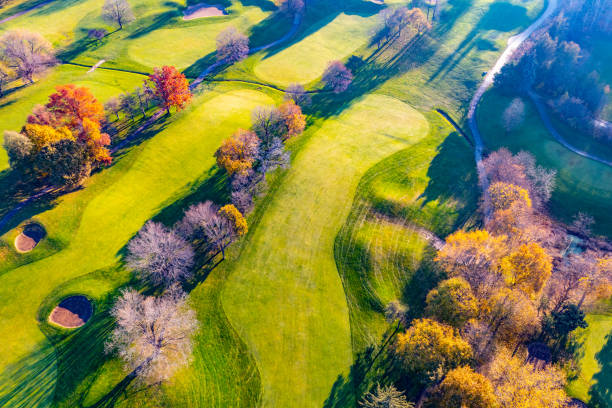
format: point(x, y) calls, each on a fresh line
point(27, 53)
point(160, 254)
point(113, 106)
point(232, 45)
point(273, 156)
point(385, 397)
point(337, 77)
point(395, 310)
point(514, 115)
point(297, 94)
point(117, 12)
point(583, 222)
point(267, 123)
point(153, 335)
point(191, 225)
point(245, 186)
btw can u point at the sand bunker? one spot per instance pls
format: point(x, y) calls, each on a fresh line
point(203, 10)
point(31, 235)
point(72, 312)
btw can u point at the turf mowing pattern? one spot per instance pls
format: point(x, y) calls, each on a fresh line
point(284, 295)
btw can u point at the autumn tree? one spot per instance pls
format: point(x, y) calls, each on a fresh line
point(27, 53)
point(520, 384)
point(395, 310)
point(528, 268)
point(430, 349)
point(153, 335)
point(464, 388)
point(337, 77)
point(452, 302)
point(514, 115)
point(294, 121)
point(117, 12)
point(472, 255)
point(385, 397)
point(160, 255)
point(238, 153)
point(237, 221)
point(232, 45)
point(297, 94)
point(18, 147)
point(503, 195)
point(170, 87)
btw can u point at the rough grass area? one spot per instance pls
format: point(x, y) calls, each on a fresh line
point(284, 295)
point(16, 106)
point(379, 252)
point(582, 184)
point(99, 220)
point(594, 381)
point(327, 41)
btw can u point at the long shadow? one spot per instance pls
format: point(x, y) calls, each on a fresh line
point(601, 391)
point(501, 16)
point(154, 22)
point(54, 7)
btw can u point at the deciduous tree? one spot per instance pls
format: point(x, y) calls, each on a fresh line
point(27, 53)
point(290, 6)
point(429, 350)
point(337, 77)
point(452, 302)
point(17, 146)
point(238, 153)
point(528, 268)
point(117, 12)
point(503, 195)
point(170, 87)
point(153, 335)
point(514, 115)
point(160, 255)
point(385, 397)
point(293, 118)
point(297, 94)
point(232, 45)
point(464, 388)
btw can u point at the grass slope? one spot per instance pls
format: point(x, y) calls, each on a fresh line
point(108, 213)
point(379, 252)
point(284, 295)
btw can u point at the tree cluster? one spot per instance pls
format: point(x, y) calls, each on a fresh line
point(62, 140)
point(558, 64)
point(400, 25)
point(249, 155)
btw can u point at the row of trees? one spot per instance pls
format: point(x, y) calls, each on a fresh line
point(400, 25)
point(507, 286)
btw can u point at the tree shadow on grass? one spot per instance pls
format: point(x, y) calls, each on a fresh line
point(601, 391)
point(500, 16)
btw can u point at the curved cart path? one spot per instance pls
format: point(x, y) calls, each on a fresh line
point(513, 43)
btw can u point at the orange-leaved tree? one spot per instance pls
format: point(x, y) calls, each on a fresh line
point(170, 87)
point(238, 153)
point(293, 118)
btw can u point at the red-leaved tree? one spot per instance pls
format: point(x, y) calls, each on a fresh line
point(170, 87)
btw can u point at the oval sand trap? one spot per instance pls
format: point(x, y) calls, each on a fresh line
point(203, 10)
point(31, 235)
point(72, 312)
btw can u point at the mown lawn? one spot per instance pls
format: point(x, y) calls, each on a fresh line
point(284, 295)
point(97, 222)
point(582, 184)
point(379, 252)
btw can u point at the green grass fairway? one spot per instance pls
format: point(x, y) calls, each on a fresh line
point(115, 204)
point(380, 254)
point(284, 296)
point(328, 41)
point(595, 363)
point(15, 107)
point(582, 184)
point(184, 44)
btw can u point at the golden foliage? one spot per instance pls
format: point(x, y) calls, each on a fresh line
point(236, 218)
point(431, 349)
point(43, 135)
point(464, 388)
point(511, 316)
point(238, 153)
point(294, 119)
point(452, 302)
point(528, 268)
point(503, 195)
point(520, 384)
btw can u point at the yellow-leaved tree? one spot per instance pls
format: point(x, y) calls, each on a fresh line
point(452, 302)
point(528, 268)
point(464, 388)
point(503, 195)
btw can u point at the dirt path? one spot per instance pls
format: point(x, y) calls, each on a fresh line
point(540, 106)
point(21, 13)
point(513, 43)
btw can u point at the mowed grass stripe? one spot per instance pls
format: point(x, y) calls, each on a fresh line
point(285, 296)
point(163, 172)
